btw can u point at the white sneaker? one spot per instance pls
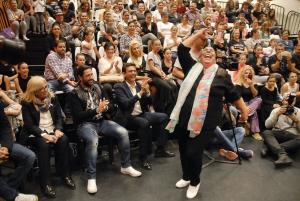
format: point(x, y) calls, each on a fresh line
point(26, 197)
point(131, 171)
point(25, 38)
point(182, 183)
point(192, 191)
point(92, 186)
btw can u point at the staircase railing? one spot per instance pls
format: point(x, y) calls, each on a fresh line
point(292, 22)
point(279, 13)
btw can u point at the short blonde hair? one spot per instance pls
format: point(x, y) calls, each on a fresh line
point(35, 84)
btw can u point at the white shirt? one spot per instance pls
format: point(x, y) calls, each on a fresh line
point(46, 122)
point(170, 41)
point(137, 110)
point(164, 28)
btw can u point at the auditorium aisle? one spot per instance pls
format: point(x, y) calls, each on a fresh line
point(254, 180)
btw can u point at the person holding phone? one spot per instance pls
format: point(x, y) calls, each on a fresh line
point(247, 87)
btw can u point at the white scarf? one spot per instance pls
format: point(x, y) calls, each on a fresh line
point(201, 98)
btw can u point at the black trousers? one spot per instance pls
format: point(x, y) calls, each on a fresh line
point(280, 141)
point(166, 95)
point(61, 149)
point(191, 151)
point(142, 125)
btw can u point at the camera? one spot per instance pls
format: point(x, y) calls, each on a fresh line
point(11, 51)
point(290, 108)
point(229, 63)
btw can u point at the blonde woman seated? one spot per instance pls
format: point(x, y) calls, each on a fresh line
point(42, 118)
point(137, 56)
point(110, 68)
point(248, 91)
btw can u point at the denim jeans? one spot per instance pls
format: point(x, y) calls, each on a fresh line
point(89, 131)
point(55, 85)
point(226, 138)
point(24, 158)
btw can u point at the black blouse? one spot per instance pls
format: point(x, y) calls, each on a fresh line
point(222, 86)
point(245, 92)
point(23, 82)
point(269, 97)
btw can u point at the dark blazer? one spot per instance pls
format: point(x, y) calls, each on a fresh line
point(31, 117)
point(126, 101)
point(6, 139)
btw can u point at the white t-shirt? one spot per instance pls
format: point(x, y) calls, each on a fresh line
point(164, 28)
point(155, 58)
point(184, 30)
point(156, 16)
point(87, 51)
point(170, 41)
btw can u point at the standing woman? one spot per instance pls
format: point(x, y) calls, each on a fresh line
point(200, 98)
point(43, 118)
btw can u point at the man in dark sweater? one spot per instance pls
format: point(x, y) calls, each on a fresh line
point(23, 157)
point(89, 105)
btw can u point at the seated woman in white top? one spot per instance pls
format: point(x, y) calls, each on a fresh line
point(110, 68)
point(164, 26)
point(89, 49)
point(171, 42)
point(184, 28)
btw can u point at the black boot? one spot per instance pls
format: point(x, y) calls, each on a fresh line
point(283, 161)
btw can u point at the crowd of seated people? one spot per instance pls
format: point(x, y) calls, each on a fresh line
point(113, 52)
